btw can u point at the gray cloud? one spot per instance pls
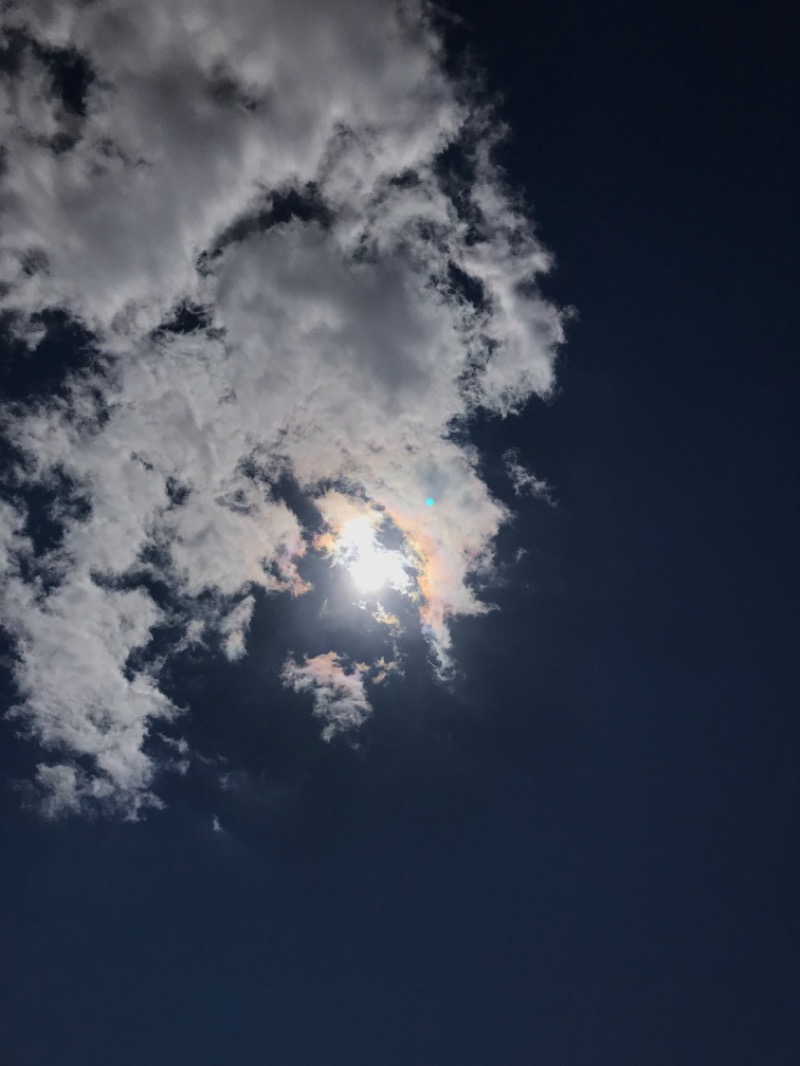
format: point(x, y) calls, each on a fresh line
point(336, 346)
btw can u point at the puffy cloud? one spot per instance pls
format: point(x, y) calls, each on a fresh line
point(74, 645)
point(195, 114)
point(283, 168)
point(338, 692)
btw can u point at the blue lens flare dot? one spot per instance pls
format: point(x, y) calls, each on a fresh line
point(430, 501)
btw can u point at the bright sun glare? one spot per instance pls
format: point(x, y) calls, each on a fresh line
point(370, 566)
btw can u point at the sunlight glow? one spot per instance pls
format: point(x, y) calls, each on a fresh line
point(370, 566)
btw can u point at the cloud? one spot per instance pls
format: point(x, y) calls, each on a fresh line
point(338, 692)
point(284, 169)
point(196, 114)
point(524, 480)
point(73, 647)
point(233, 628)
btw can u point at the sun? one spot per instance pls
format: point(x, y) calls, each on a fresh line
point(370, 566)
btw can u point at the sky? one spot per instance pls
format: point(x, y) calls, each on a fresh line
point(398, 534)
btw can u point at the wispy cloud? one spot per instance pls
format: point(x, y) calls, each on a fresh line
point(525, 481)
point(337, 690)
point(284, 168)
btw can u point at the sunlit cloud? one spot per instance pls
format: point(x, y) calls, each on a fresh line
point(371, 567)
point(337, 690)
point(254, 213)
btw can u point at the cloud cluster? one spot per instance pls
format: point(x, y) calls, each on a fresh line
point(312, 182)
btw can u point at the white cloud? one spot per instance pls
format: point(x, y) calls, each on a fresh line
point(234, 626)
point(12, 542)
point(338, 348)
point(73, 647)
point(197, 112)
point(524, 480)
point(338, 692)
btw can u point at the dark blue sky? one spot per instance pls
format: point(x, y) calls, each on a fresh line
point(586, 853)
